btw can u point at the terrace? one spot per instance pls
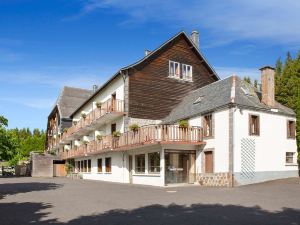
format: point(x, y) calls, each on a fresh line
point(159, 134)
point(108, 110)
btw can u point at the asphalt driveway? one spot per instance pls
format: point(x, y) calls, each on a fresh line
point(65, 201)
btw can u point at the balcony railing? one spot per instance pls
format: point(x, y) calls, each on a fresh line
point(143, 136)
point(109, 106)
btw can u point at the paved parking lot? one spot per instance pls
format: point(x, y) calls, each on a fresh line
point(66, 201)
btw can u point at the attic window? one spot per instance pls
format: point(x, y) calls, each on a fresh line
point(180, 71)
point(198, 100)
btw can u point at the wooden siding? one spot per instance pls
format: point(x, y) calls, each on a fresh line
point(152, 94)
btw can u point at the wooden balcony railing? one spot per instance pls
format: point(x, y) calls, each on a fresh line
point(106, 107)
point(143, 136)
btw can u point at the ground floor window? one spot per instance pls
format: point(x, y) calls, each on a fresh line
point(84, 165)
point(209, 162)
point(81, 166)
point(140, 163)
point(89, 165)
point(154, 162)
point(108, 165)
point(99, 165)
point(289, 157)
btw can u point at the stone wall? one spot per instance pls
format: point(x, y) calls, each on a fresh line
point(214, 179)
point(42, 165)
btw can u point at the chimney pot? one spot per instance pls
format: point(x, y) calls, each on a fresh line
point(268, 85)
point(95, 87)
point(195, 37)
point(147, 52)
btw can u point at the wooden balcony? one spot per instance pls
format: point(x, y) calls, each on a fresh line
point(164, 134)
point(108, 110)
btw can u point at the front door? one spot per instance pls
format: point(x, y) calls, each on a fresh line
point(179, 167)
point(209, 162)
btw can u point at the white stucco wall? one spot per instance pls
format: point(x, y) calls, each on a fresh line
point(270, 146)
point(119, 171)
point(219, 143)
point(120, 168)
point(116, 86)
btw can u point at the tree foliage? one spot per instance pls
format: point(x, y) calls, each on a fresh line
point(287, 86)
point(17, 144)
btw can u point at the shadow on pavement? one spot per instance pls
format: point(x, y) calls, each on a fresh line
point(16, 188)
point(203, 214)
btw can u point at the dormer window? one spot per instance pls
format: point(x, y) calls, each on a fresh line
point(180, 71)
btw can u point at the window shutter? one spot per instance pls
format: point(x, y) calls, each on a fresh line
point(288, 129)
point(258, 125)
point(250, 120)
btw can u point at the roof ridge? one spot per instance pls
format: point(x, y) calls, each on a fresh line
point(78, 88)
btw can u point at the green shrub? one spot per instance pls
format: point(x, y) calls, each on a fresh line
point(116, 134)
point(183, 124)
point(134, 127)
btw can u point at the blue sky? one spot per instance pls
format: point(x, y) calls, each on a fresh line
point(47, 44)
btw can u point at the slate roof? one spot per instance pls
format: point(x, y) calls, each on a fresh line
point(70, 99)
point(218, 95)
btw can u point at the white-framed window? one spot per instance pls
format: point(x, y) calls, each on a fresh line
point(154, 162)
point(180, 71)
point(187, 72)
point(174, 69)
point(289, 157)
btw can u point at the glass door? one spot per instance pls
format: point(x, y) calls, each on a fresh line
point(179, 167)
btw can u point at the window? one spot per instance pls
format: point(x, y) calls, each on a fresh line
point(99, 165)
point(140, 163)
point(187, 72)
point(81, 166)
point(174, 69)
point(113, 128)
point(291, 129)
point(78, 166)
point(89, 166)
point(289, 157)
point(154, 162)
point(84, 165)
point(108, 165)
point(253, 125)
point(207, 125)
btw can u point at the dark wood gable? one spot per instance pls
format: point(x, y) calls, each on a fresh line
point(152, 94)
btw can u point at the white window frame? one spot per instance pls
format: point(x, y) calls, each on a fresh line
point(174, 75)
point(187, 77)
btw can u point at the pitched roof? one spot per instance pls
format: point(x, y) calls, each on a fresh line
point(218, 95)
point(70, 99)
point(149, 57)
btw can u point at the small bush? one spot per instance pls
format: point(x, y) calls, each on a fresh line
point(83, 115)
point(183, 124)
point(98, 104)
point(116, 134)
point(99, 137)
point(134, 127)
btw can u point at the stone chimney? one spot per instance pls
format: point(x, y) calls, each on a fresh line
point(268, 85)
point(95, 87)
point(195, 37)
point(147, 52)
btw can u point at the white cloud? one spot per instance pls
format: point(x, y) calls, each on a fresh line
point(268, 20)
point(36, 103)
point(56, 77)
point(223, 72)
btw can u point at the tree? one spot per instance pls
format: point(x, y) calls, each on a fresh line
point(287, 89)
point(255, 84)
point(8, 142)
